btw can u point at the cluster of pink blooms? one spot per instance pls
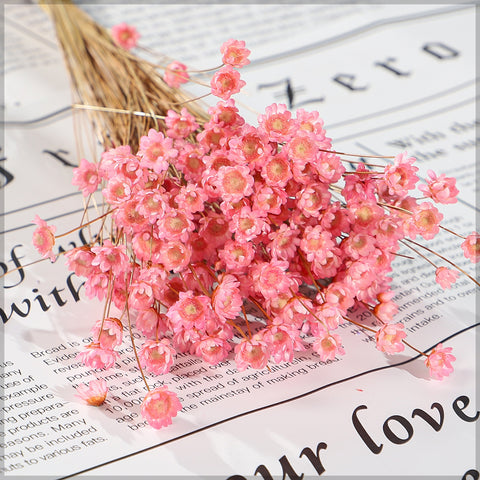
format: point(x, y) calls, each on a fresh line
point(248, 215)
point(226, 80)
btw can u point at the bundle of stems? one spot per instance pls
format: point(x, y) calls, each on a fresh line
point(107, 80)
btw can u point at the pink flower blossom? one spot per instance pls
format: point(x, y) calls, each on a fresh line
point(94, 356)
point(213, 136)
point(185, 339)
point(175, 225)
point(316, 243)
point(310, 122)
point(108, 332)
point(270, 278)
point(226, 300)
point(146, 247)
point(140, 295)
point(157, 357)
point(94, 393)
point(190, 310)
point(400, 177)
point(237, 256)
point(386, 309)
point(331, 316)
point(190, 161)
point(175, 255)
point(43, 238)
point(112, 158)
point(226, 114)
point(125, 36)
point(111, 258)
point(212, 349)
point(254, 353)
point(270, 200)
point(389, 338)
point(86, 177)
point(329, 167)
point(277, 123)
point(336, 219)
point(215, 229)
point(96, 284)
point(284, 242)
point(180, 125)
point(191, 199)
point(439, 362)
point(234, 183)
point(156, 151)
point(360, 275)
point(359, 188)
point(117, 190)
point(247, 224)
point(79, 260)
point(313, 199)
point(340, 295)
point(471, 247)
point(358, 245)
point(176, 74)
point(440, 189)
point(251, 145)
point(150, 322)
point(425, 221)
point(445, 277)
point(328, 346)
point(129, 218)
point(159, 407)
point(234, 53)
point(302, 147)
point(283, 340)
point(151, 204)
point(226, 82)
point(276, 171)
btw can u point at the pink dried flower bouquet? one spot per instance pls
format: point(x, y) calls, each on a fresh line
point(207, 220)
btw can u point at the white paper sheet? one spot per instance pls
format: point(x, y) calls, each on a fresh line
point(408, 76)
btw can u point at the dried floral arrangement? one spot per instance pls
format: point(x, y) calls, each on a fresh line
point(206, 216)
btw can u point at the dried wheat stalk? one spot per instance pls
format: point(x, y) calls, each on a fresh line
point(107, 77)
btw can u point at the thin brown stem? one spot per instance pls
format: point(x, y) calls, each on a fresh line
point(363, 163)
point(28, 265)
point(234, 325)
point(191, 99)
point(354, 154)
point(419, 254)
point(183, 281)
point(133, 343)
point(212, 273)
point(310, 274)
point(85, 224)
point(454, 265)
point(197, 278)
point(404, 256)
point(452, 232)
point(393, 207)
point(247, 322)
point(267, 316)
point(359, 324)
point(309, 310)
point(361, 173)
point(106, 306)
point(206, 70)
point(413, 348)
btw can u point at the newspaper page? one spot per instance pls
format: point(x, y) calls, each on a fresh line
point(385, 79)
